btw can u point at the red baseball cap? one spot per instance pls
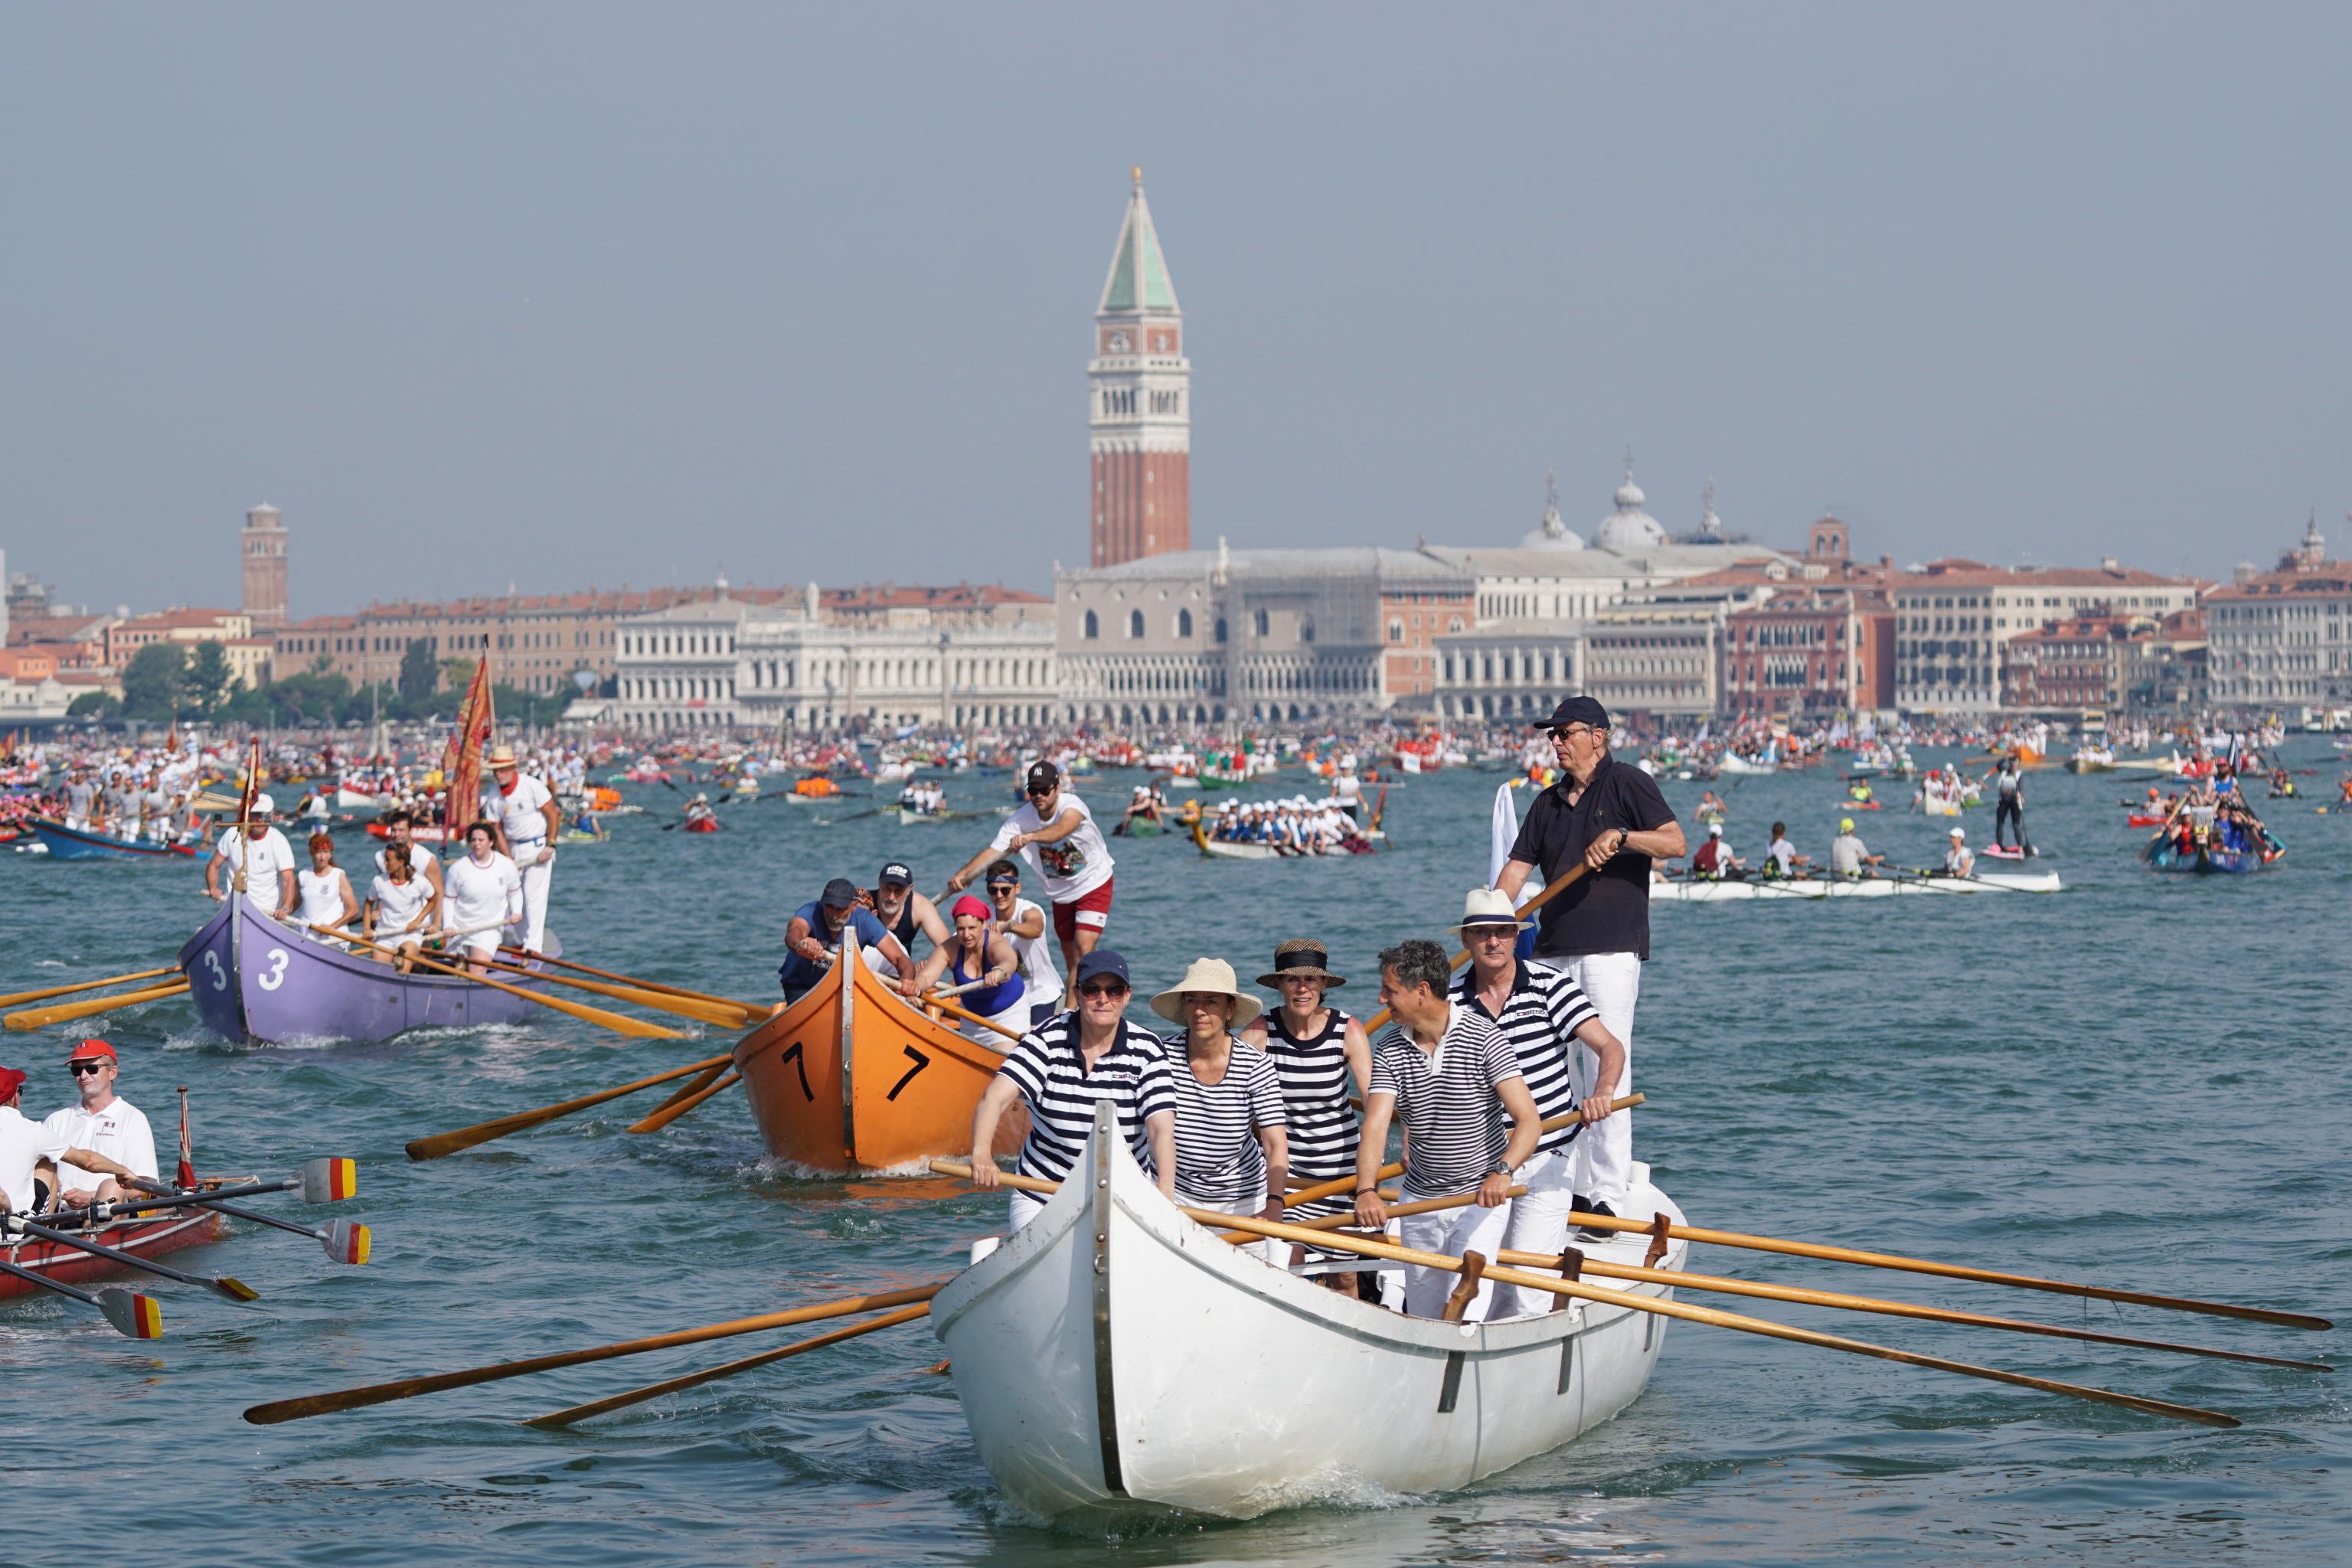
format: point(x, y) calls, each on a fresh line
point(91, 1049)
point(11, 1080)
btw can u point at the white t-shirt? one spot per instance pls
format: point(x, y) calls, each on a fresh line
point(1958, 861)
point(1845, 855)
point(1784, 854)
point(421, 860)
point(1041, 982)
point(20, 1151)
point(396, 906)
point(475, 895)
point(271, 855)
point(519, 813)
point(119, 1132)
point(322, 895)
point(1071, 868)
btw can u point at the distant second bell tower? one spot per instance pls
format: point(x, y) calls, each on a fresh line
point(1141, 413)
point(261, 549)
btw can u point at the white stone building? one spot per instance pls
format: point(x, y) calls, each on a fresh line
point(2283, 638)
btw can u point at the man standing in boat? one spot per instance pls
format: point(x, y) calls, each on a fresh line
point(1058, 837)
point(813, 938)
point(1445, 1073)
point(1062, 1069)
point(1544, 1015)
point(525, 816)
point(1611, 819)
point(261, 851)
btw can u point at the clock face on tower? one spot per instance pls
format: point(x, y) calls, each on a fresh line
point(1118, 342)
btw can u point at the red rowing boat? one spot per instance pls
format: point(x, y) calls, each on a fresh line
point(166, 1232)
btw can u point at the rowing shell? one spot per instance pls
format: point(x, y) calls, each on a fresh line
point(254, 979)
point(164, 1233)
point(1684, 891)
point(65, 843)
point(1113, 1357)
point(850, 1078)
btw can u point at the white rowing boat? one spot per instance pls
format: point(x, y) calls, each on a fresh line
point(1684, 890)
point(1113, 1356)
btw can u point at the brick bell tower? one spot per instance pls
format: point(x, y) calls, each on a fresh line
point(1140, 411)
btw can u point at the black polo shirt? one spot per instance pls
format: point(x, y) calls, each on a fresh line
point(1608, 910)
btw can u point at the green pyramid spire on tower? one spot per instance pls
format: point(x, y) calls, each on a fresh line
point(1139, 272)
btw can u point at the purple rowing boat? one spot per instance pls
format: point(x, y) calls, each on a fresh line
point(253, 978)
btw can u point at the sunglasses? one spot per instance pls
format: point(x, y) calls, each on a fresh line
point(1040, 794)
point(1570, 731)
point(86, 1069)
point(1105, 988)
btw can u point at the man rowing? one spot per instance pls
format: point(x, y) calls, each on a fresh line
point(904, 912)
point(1061, 1070)
point(21, 1191)
point(400, 833)
point(1714, 861)
point(524, 815)
point(812, 940)
point(1544, 1015)
point(1233, 1150)
point(261, 852)
point(1446, 1074)
point(93, 1147)
point(1849, 854)
point(1611, 819)
point(1056, 833)
point(1023, 924)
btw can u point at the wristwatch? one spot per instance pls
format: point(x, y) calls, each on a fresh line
point(1502, 1167)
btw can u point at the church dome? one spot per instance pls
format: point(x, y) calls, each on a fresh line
point(1554, 534)
point(1629, 529)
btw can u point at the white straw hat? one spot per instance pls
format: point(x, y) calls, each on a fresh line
point(1207, 974)
point(1490, 906)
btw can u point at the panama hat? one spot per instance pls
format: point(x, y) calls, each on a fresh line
point(1490, 907)
point(501, 757)
point(1302, 955)
point(1206, 974)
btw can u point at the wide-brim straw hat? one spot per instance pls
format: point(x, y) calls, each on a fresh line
point(1490, 907)
point(500, 757)
point(1207, 974)
point(1302, 956)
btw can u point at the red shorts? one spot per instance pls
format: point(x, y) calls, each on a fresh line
point(1091, 910)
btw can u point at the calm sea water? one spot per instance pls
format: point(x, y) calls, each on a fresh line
point(2141, 1081)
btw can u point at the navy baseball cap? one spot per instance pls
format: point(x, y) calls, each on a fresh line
point(840, 893)
point(1577, 710)
point(1101, 962)
point(895, 871)
point(1043, 776)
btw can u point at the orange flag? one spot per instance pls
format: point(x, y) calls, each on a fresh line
point(462, 773)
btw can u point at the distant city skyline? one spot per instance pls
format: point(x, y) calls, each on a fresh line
point(609, 297)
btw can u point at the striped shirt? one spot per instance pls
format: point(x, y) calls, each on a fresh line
point(1541, 1018)
point(1218, 1157)
point(1313, 1076)
point(1048, 1070)
point(1453, 1123)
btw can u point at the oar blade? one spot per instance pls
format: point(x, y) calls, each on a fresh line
point(229, 1288)
point(133, 1315)
point(330, 1181)
point(346, 1241)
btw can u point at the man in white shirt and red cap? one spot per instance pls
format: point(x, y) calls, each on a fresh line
point(256, 848)
point(524, 813)
point(20, 1151)
point(92, 1144)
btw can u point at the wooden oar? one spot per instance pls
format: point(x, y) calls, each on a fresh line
point(641, 983)
point(344, 1241)
point(42, 1017)
point(1339, 1184)
point(1721, 1285)
point(20, 997)
point(1709, 1315)
point(727, 1015)
point(441, 1143)
point(695, 1379)
point(619, 1022)
point(970, 1016)
point(680, 1104)
point(139, 1317)
point(1955, 1271)
point(1551, 890)
point(235, 1290)
point(310, 1405)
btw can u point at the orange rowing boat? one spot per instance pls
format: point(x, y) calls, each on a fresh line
point(853, 1077)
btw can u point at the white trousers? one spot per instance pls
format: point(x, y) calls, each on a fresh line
point(535, 878)
point(1604, 1152)
point(1026, 1207)
point(1452, 1232)
point(1539, 1223)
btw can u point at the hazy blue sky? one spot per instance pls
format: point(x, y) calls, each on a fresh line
point(570, 293)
